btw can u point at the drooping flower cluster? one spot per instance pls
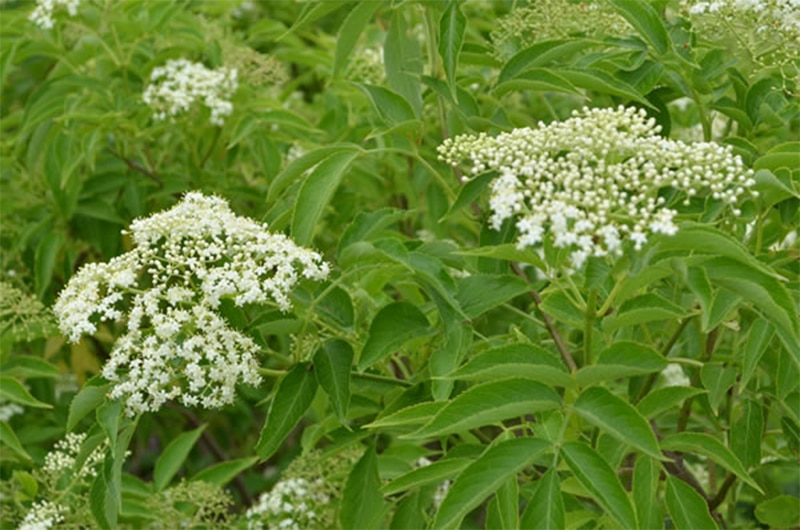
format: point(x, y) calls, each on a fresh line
point(43, 15)
point(177, 85)
point(186, 260)
point(591, 182)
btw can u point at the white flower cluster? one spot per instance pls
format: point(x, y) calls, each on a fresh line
point(770, 15)
point(592, 181)
point(185, 261)
point(177, 85)
point(292, 504)
point(42, 16)
point(673, 375)
point(8, 410)
point(63, 457)
point(42, 515)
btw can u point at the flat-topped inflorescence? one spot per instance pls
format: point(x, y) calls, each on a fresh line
point(592, 182)
point(177, 85)
point(169, 287)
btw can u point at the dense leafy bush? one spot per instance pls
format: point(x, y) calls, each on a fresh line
point(400, 264)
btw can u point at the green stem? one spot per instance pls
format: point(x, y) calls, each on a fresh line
point(588, 326)
point(611, 297)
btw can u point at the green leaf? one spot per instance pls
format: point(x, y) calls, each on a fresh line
point(717, 379)
point(336, 306)
point(618, 418)
point(786, 155)
point(604, 83)
point(85, 401)
point(647, 307)
point(490, 403)
point(220, 474)
point(540, 54)
point(312, 12)
point(390, 106)
point(686, 507)
point(723, 303)
point(297, 167)
point(412, 415)
point(756, 94)
point(108, 417)
point(29, 367)
point(516, 360)
point(100, 502)
point(436, 473)
point(761, 333)
point(479, 293)
point(10, 440)
point(403, 61)
point(315, 194)
point(747, 433)
point(770, 189)
point(173, 456)
point(645, 493)
point(600, 481)
point(393, 326)
point(642, 16)
point(698, 283)
point(12, 390)
point(706, 240)
point(698, 443)
point(508, 252)
point(350, 31)
point(621, 359)
point(664, 399)
point(545, 510)
point(368, 225)
point(763, 290)
point(332, 365)
point(782, 511)
point(470, 191)
point(362, 503)
point(451, 37)
point(45, 260)
point(485, 475)
point(292, 398)
point(505, 505)
point(538, 80)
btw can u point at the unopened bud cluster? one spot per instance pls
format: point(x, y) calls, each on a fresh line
point(592, 182)
point(177, 85)
point(43, 15)
point(169, 287)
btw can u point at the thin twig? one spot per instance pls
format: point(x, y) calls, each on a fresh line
point(548, 322)
point(132, 164)
point(714, 503)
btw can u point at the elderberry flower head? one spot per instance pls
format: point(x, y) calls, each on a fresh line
point(291, 504)
point(186, 260)
point(42, 515)
point(42, 16)
point(63, 457)
point(591, 182)
point(177, 85)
